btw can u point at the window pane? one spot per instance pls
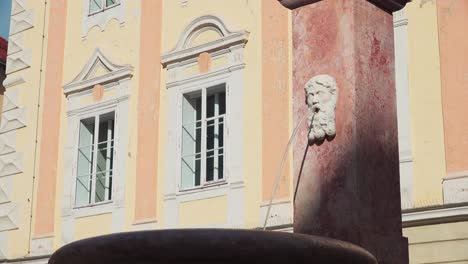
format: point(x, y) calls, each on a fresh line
point(84, 162)
point(214, 165)
point(86, 132)
point(210, 169)
point(95, 5)
point(110, 2)
point(210, 106)
point(215, 133)
point(220, 166)
point(191, 108)
point(191, 168)
point(191, 138)
point(83, 190)
point(216, 101)
point(104, 157)
point(222, 103)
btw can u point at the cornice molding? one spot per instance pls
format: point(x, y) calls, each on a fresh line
point(84, 80)
point(388, 6)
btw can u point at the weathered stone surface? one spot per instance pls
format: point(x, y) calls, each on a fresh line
point(349, 186)
point(387, 5)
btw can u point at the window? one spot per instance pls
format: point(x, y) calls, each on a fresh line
point(95, 160)
point(100, 5)
point(203, 122)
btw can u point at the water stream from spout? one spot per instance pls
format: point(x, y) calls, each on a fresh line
point(278, 176)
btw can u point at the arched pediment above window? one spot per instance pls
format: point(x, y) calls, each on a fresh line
point(204, 34)
point(98, 70)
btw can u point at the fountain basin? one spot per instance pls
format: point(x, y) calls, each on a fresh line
point(210, 246)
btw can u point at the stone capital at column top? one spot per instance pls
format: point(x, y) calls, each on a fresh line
point(387, 5)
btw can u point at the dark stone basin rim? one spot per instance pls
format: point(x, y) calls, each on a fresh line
point(210, 246)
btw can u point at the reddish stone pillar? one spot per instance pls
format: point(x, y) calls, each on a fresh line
point(348, 187)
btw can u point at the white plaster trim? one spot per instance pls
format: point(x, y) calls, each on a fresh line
point(10, 100)
point(400, 18)
point(17, 6)
point(21, 22)
point(456, 175)
point(150, 225)
point(18, 61)
point(101, 18)
point(117, 78)
point(42, 245)
point(403, 108)
point(7, 142)
point(11, 164)
point(231, 47)
point(15, 43)
point(13, 80)
point(8, 217)
point(81, 81)
point(281, 213)
point(12, 120)
point(182, 51)
point(436, 213)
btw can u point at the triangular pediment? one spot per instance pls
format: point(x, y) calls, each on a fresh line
point(98, 70)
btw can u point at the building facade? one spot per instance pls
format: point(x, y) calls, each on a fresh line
point(124, 115)
point(128, 115)
point(431, 54)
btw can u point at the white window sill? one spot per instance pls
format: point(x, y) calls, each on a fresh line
point(206, 187)
point(93, 209)
point(103, 10)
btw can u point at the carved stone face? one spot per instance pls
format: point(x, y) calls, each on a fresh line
point(321, 96)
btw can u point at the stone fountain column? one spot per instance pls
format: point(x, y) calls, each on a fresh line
point(348, 186)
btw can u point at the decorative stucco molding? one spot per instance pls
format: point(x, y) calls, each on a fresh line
point(184, 75)
point(17, 6)
point(86, 79)
point(100, 19)
point(42, 245)
point(8, 217)
point(13, 80)
point(12, 120)
point(18, 61)
point(183, 50)
point(321, 97)
point(10, 100)
point(11, 164)
point(99, 70)
point(21, 22)
point(15, 43)
point(7, 142)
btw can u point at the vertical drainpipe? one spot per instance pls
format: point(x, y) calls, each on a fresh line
point(41, 71)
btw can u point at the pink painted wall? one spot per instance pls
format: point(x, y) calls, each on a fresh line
point(148, 111)
point(275, 90)
point(452, 18)
point(46, 191)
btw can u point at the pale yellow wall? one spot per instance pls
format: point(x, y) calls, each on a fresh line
point(29, 93)
point(120, 44)
point(425, 103)
point(443, 243)
point(92, 226)
point(237, 15)
point(190, 216)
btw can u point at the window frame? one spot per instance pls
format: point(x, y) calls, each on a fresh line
point(103, 8)
point(203, 183)
point(96, 115)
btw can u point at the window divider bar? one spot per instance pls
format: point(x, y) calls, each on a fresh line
point(93, 173)
point(108, 159)
point(203, 139)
